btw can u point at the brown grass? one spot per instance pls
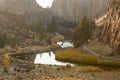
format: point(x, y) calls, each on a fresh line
point(79, 57)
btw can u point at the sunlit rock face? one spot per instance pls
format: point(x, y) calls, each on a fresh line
point(111, 28)
point(20, 6)
point(75, 9)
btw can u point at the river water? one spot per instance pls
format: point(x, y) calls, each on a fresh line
point(48, 58)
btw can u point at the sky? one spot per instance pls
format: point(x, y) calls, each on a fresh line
point(45, 3)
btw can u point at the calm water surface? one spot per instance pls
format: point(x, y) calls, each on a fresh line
point(65, 44)
point(48, 58)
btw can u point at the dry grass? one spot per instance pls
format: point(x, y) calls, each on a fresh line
point(80, 57)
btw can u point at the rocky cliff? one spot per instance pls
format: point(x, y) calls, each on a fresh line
point(75, 9)
point(20, 6)
point(111, 25)
point(1, 4)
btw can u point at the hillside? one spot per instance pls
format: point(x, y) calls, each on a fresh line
point(75, 9)
point(20, 6)
point(54, 44)
point(13, 27)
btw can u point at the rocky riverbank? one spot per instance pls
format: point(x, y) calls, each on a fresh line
point(48, 72)
point(34, 48)
point(22, 70)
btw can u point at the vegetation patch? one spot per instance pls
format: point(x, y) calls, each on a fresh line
point(83, 32)
point(80, 57)
point(11, 41)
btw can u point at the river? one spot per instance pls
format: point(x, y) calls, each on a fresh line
point(48, 58)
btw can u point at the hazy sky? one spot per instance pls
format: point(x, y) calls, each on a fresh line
point(45, 3)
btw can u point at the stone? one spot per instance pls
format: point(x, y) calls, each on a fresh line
point(110, 30)
point(75, 9)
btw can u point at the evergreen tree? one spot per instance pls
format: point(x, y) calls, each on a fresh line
point(3, 40)
point(40, 30)
point(82, 32)
point(52, 27)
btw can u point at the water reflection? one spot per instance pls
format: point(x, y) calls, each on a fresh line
point(48, 58)
point(65, 44)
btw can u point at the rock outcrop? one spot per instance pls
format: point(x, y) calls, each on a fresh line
point(110, 33)
point(75, 9)
point(20, 6)
point(2, 2)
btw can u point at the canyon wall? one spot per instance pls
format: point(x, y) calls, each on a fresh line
point(67, 9)
point(75, 9)
point(20, 6)
point(110, 33)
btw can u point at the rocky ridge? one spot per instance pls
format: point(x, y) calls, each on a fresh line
point(20, 6)
point(74, 10)
point(110, 27)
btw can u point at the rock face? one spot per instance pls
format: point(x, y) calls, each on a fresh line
point(75, 9)
point(1, 4)
point(111, 25)
point(20, 6)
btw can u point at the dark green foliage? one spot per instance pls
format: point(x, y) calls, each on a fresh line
point(52, 27)
point(39, 29)
point(13, 42)
point(4, 40)
point(49, 40)
point(17, 20)
point(66, 23)
point(83, 32)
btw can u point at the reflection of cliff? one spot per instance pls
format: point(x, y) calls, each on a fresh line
point(111, 28)
point(75, 9)
point(20, 6)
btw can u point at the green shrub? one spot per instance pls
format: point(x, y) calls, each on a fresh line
point(83, 32)
point(6, 63)
point(2, 40)
point(13, 42)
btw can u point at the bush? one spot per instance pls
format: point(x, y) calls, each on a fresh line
point(13, 42)
point(4, 40)
point(52, 27)
point(6, 63)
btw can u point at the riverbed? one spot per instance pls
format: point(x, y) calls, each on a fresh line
point(46, 57)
